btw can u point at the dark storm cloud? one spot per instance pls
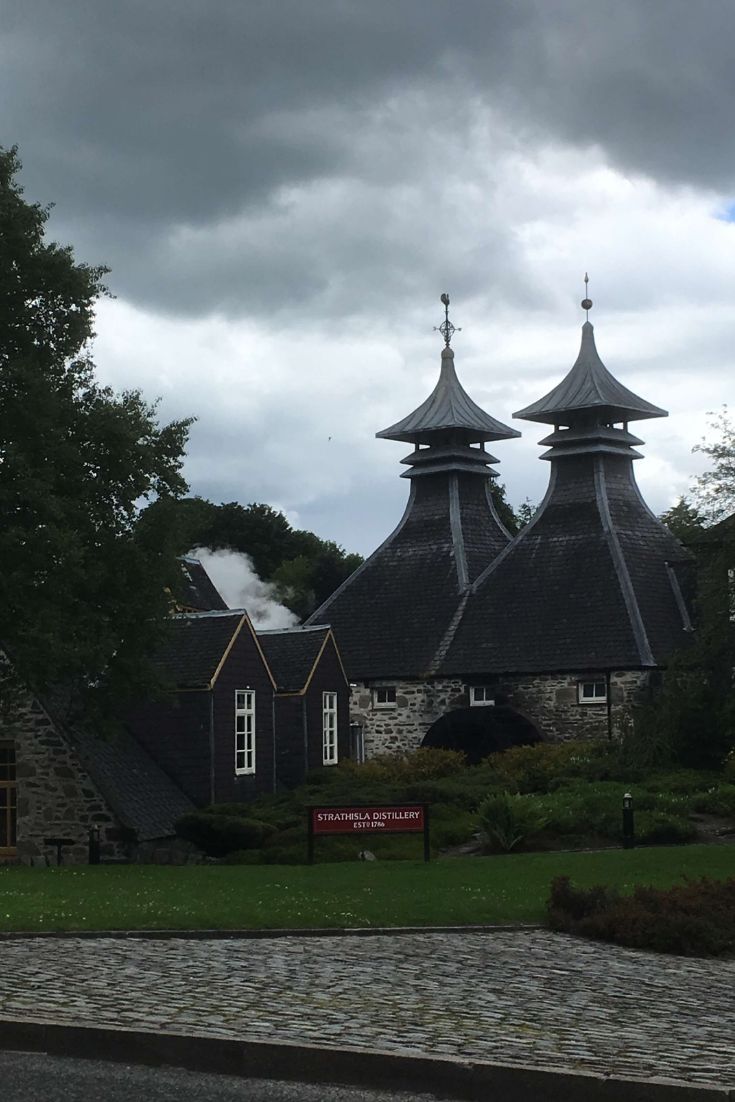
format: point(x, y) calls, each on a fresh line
point(180, 138)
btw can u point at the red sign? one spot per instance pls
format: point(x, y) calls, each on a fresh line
point(345, 820)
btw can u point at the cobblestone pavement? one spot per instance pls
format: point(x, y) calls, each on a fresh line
point(512, 997)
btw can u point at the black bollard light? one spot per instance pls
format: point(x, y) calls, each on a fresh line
point(628, 823)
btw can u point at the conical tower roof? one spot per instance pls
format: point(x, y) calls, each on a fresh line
point(448, 408)
point(590, 388)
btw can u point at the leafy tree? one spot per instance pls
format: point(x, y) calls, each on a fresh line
point(305, 569)
point(715, 489)
point(82, 582)
point(503, 507)
point(685, 520)
point(525, 512)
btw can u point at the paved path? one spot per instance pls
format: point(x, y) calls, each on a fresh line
point(525, 997)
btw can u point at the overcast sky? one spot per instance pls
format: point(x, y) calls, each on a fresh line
point(284, 188)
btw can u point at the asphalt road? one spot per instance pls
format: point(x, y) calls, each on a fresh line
point(29, 1077)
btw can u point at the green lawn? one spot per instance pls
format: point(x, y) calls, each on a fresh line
point(452, 892)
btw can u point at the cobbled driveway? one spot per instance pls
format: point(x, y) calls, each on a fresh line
point(526, 997)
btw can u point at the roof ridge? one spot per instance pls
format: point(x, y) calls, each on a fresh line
point(364, 565)
point(621, 567)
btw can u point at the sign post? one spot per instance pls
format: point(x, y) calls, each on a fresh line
point(370, 819)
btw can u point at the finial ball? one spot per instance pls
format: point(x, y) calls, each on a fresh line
point(445, 299)
point(586, 303)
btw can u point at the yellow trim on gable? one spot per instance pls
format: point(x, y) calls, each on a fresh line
point(228, 648)
point(316, 662)
point(260, 652)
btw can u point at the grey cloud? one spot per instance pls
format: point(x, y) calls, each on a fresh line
point(146, 119)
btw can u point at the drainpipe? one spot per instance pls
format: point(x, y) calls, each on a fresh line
point(273, 741)
point(212, 793)
point(305, 726)
point(608, 695)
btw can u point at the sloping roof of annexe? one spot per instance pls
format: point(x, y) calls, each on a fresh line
point(448, 407)
point(199, 594)
point(593, 582)
point(198, 644)
point(142, 796)
point(293, 655)
point(589, 386)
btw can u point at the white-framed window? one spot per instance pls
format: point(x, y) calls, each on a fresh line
point(329, 728)
point(244, 731)
point(593, 691)
point(384, 696)
point(481, 694)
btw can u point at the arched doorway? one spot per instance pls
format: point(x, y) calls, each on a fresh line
point(479, 731)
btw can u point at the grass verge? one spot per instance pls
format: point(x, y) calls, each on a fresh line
point(507, 889)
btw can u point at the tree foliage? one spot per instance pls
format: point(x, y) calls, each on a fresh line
point(715, 489)
point(82, 582)
point(304, 568)
point(685, 520)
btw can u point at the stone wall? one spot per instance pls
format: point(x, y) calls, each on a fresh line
point(550, 700)
point(396, 730)
point(56, 797)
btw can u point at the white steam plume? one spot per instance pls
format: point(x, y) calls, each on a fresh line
point(240, 587)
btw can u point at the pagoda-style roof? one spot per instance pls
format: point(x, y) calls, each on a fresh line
point(594, 582)
point(589, 387)
point(448, 408)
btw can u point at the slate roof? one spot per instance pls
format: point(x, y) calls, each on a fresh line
point(448, 407)
point(391, 615)
point(195, 645)
point(585, 586)
point(595, 581)
point(142, 796)
point(292, 653)
point(590, 386)
point(198, 592)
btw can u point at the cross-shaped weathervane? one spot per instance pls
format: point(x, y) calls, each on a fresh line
point(446, 328)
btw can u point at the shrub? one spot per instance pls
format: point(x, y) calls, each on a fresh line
point(659, 828)
point(539, 768)
point(219, 834)
point(426, 763)
point(508, 818)
point(719, 800)
point(696, 918)
point(243, 857)
point(729, 767)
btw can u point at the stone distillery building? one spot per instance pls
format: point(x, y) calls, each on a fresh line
point(568, 622)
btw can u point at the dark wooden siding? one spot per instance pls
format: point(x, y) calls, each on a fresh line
point(328, 677)
point(176, 735)
point(290, 756)
point(243, 669)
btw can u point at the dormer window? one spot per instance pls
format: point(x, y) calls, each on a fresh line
point(384, 696)
point(592, 692)
point(482, 695)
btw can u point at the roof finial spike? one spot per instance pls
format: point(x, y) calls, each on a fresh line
point(586, 303)
point(446, 328)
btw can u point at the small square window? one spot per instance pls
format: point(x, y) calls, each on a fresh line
point(482, 694)
point(592, 692)
point(384, 696)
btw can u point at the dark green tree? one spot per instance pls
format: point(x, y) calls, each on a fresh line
point(82, 581)
point(714, 490)
point(503, 508)
point(304, 568)
point(685, 520)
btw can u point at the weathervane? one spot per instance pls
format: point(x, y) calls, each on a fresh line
point(446, 328)
point(586, 303)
